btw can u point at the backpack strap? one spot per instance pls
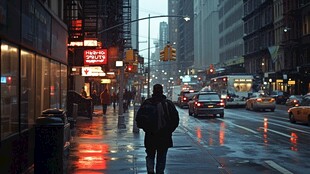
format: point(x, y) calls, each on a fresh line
point(165, 106)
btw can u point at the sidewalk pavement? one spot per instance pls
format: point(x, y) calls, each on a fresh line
point(110, 144)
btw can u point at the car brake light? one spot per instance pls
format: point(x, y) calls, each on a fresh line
point(259, 100)
point(295, 101)
point(221, 104)
point(198, 104)
point(184, 98)
point(272, 100)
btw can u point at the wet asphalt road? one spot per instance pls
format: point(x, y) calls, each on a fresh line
point(242, 142)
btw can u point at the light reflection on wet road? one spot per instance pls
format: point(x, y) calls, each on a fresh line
point(254, 137)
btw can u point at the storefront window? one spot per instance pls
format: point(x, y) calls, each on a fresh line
point(27, 89)
point(9, 90)
point(42, 85)
point(63, 86)
point(55, 85)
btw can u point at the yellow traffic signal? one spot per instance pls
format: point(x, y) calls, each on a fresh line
point(164, 54)
point(173, 54)
point(130, 56)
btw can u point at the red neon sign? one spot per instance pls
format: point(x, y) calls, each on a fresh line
point(96, 57)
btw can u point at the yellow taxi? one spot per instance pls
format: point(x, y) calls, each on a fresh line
point(260, 101)
point(301, 113)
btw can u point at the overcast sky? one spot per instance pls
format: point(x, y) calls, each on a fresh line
point(154, 8)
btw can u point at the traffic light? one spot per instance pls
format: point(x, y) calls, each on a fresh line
point(130, 56)
point(211, 69)
point(131, 68)
point(164, 54)
point(173, 54)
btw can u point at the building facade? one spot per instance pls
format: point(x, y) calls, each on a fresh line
point(33, 40)
point(231, 36)
point(206, 27)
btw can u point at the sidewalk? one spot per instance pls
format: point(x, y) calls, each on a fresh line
point(107, 144)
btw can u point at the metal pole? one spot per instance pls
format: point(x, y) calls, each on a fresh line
point(120, 93)
point(148, 61)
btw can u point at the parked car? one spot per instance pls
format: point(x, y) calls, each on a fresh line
point(293, 100)
point(259, 101)
point(84, 104)
point(185, 97)
point(300, 113)
point(279, 96)
point(206, 103)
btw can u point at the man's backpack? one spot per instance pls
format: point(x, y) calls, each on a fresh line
point(151, 117)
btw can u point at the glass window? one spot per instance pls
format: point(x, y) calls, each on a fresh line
point(55, 85)
point(209, 97)
point(63, 86)
point(27, 89)
point(42, 85)
point(9, 90)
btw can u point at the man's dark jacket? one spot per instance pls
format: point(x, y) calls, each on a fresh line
point(163, 138)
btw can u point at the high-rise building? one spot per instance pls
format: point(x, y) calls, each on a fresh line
point(231, 36)
point(206, 27)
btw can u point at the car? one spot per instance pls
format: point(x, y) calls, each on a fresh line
point(279, 96)
point(300, 113)
point(206, 103)
point(293, 100)
point(259, 101)
point(184, 97)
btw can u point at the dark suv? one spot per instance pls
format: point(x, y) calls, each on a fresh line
point(206, 103)
point(185, 97)
point(279, 96)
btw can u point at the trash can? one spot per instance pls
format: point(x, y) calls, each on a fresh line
point(52, 139)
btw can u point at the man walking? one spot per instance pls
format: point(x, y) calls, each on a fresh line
point(105, 100)
point(157, 144)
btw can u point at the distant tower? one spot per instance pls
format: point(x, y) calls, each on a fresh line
point(163, 35)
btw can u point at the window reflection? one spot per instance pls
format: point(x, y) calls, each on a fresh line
point(42, 84)
point(27, 89)
point(9, 90)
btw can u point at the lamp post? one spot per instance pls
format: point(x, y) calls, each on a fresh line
point(148, 59)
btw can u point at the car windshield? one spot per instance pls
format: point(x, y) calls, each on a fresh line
point(209, 97)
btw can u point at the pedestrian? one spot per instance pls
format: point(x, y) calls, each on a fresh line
point(114, 100)
point(105, 99)
point(126, 99)
point(157, 144)
point(94, 97)
point(83, 92)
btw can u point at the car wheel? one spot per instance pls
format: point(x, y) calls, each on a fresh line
point(291, 117)
point(189, 112)
point(309, 120)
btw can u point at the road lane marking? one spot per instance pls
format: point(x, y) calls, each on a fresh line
point(239, 126)
point(276, 132)
point(276, 123)
point(278, 167)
